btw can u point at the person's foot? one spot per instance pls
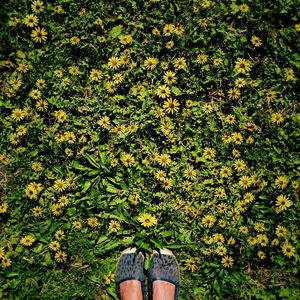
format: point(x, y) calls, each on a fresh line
point(164, 276)
point(130, 275)
point(163, 290)
point(131, 290)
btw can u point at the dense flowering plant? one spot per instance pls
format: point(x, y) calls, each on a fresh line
point(150, 124)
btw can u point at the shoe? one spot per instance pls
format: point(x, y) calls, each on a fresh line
point(130, 267)
point(164, 266)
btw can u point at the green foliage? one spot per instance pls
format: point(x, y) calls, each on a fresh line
point(149, 124)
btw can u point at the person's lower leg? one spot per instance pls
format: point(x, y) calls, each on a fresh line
point(163, 290)
point(131, 290)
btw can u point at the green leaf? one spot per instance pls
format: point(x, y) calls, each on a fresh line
point(92, 160)
point(176, 91)
point(12, 274)
point(147, 261)
point(39, 248)
point(176, 246)
point(86, 186)
point(111, 189)
point(92, 278)
point(116, 31)
point(58, 170)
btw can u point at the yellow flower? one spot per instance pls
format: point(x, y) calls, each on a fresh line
point(281, 182)
point(95, 75)
point(59, 185)
point(169, 77)
point(114, 226)
point(42, 105)
point(258, 226)
point(208, 221)
point(237, 137)
point(225, 172)
point(288, 250)
point(261, 254)
point(3, 208)
point(6, 262)
point(218, 238)
point(280, 231)
point(37, 166)
point(63, 201)
point(58, 73)
point(191, 264)
point(37, 211)
point(37, 6)
point(31, 20)
point(109, 278)
point(262, 239)
point(179, 63)
point(17, 114)
point(164, 160)
point(125, 39)
point(31, 192)
point(283, 202)
point(171, 105)
point(277, 118)
point(221, 250)
point(168, 29)
point(113, 63)
point(245, 182)
point(244, 7)
point(147, 220)
point(128, 160)
point(203, 23)
point(150, 63)
point(74, 40)
point(289, 74)
point(234, 93)
point(114, 162)
point(56, 209)
point(190, 173)
point(55, 245)
point(98, 21)
point(227, 261)
point(60, 256)
point(57, 8)
point(270, 96)
point(256, 41)
point(163, 91)
point(39, 35)
point(239, 165)
point(27, 240)
point(295, 185)
point(202, 58)
point(209, 153)
point(167, 183)
point(21, 130)
point(217, 61)
point(242, 65)
point(93, 222)
point(77, 224)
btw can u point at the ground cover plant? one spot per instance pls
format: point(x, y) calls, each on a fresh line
point(149, 124)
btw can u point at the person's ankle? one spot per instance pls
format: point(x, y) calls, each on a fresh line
point(131, 290)
point(163, 290)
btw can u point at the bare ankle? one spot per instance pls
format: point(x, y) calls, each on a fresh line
point(131, 290)
point(163, 290)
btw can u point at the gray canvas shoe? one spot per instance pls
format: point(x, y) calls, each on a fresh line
point(164, 266)
point(130, 267)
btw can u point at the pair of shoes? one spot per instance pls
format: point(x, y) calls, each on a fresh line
point(163, 266)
